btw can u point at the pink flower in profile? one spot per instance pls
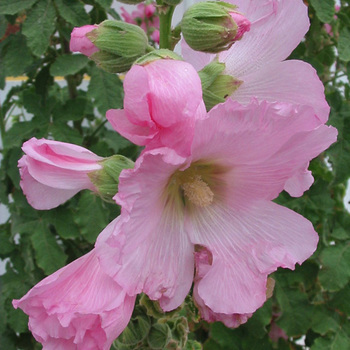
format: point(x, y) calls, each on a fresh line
point(52, 172)
point(77, 308)
point(218, 198)
point(79, 41)
point(258, 60)
point(144, 16)
point(162, 101)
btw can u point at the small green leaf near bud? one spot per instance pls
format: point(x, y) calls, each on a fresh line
point(216, 85)
point(210, 27)
point(120, 44)
point(159, 336)
point(157, 55)
point(106, 179)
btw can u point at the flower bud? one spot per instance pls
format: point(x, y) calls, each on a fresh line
point(119, 44)
point(131, 2)
point(106, 180)
point(213, 26)
point(80, 43)
point(216, 86)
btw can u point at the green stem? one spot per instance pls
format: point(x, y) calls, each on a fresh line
point(165, 16)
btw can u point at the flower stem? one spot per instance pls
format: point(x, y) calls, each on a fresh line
point(165, 16)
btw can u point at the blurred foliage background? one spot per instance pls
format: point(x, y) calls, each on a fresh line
point(310, 307)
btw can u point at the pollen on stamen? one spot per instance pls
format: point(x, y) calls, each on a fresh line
point(198, 191)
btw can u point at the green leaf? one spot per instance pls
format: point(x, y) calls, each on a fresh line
point(6, 243)
point(105, 3)
point(68, 64)
point(343, 45)
point(19, 132)
point(39, 26)
point(256, 325)
point(49, 255)
point(335, 272)
point(65, 133)
point(223, 336)
point(324, 9)
point(106, 89)
point(296, 311)
point(10, 7)
point(339, 341)
point(91, 216)
point(73, 12)
point(159, 336)
point(341, 300)
point(16, 56)
point(63, 221)
point(323, 320)
point(72, 110)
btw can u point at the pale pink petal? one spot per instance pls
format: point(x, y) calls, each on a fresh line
point(155, 255)
point(289, 81)
point(61, 154)
point(39, 196)
point(80, 43)
point(299, 183)
point(247, 243)
point(272, 38)
point(203, 260)
point(197, 59)
point(77, 307)
point(138, 134)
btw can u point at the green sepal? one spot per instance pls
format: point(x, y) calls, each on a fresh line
point(216, 86)
point(157, 55)
point(106, 179)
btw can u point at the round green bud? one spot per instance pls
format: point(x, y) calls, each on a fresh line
point(120, 44)
point(212, 26)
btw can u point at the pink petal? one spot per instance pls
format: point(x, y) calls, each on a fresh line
point(61, 154)
point(39, 196)
point(299, 183)
point(80, 43)
point(272, 38)
point(155, 255)
point(203, 260)
point(289, 81)
point(138, 134)
point(78, 307)
point(247, 242)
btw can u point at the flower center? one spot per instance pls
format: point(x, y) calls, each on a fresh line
point(197, 191)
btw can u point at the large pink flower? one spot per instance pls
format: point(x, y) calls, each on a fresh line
point(78, 307)
point(162, 101)
point(258, 59)
point(218, 198)
point(52, 172)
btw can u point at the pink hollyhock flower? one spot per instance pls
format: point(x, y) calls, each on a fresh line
point(78, 307)
point(220, 198)
point(162, 101)
point(52, 172)
point(258, 59)
point(79, 41)
point(144, 16)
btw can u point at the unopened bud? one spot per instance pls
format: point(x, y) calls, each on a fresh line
point(216, 85)
point(120, 44)
point(157, 55)
point(106, 179)
point(213, 26)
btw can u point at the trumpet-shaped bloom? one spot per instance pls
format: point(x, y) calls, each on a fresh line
point(162, 101)
point(52, 172)
point(258, 59)
point(218, 198)
point(78, 307)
